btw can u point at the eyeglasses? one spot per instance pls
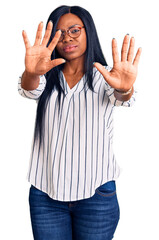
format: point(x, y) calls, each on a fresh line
point(73, 31)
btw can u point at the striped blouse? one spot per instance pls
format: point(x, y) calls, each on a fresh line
point(76, 155)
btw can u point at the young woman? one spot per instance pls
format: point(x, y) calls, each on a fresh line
point(72, 167)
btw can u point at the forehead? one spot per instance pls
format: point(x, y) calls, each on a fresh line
point(68, 20)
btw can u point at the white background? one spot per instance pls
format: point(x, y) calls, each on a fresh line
point(136, 128)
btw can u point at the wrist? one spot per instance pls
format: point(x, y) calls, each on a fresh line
point(124, 92)
point(29, 81)
point(31, 75)
point(123, 95)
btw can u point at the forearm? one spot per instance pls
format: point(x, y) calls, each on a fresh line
point(123, 96)
point(29, 81)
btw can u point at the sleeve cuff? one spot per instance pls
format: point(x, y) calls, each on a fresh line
point(32, 94)
point(118, 103)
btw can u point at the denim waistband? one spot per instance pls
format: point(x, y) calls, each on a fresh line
point(108, 186)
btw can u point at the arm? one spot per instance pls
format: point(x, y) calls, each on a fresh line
point(117, 102)
point(34, 93)
point(29, 81)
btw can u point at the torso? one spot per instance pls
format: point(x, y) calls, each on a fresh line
point(73, 79)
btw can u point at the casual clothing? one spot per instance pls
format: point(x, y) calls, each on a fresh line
point(93, 218)
point(76, 155)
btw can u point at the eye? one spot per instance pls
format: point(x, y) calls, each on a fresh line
point(74, 30)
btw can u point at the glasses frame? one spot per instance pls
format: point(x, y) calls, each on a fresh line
point(68, 31)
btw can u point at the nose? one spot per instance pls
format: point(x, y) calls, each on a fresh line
point(66, 37)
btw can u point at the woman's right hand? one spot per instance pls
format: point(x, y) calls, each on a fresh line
point(38, 57)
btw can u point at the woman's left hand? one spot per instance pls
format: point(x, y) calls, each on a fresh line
point(123, 74)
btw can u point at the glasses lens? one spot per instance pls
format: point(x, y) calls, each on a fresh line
point(74, 32)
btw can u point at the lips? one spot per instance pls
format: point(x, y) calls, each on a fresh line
point(69, 48)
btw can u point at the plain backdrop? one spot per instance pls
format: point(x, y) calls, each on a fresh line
point(136, 132)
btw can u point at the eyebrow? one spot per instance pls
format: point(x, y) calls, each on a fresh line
point(68, 27)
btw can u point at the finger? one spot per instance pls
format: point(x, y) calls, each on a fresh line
point(124, 48)
point(115, 53)
point(55, 63)
point(107, 75)
point(137, 57)
point(54, 41)
point(47, 33)
point(102, 70)
point(26, 40)
point(39, 34)
point(131, 50)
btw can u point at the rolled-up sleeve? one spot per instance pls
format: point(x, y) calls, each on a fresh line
point(32, 94)
point(110, 92)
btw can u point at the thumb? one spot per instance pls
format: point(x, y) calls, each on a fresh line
point(102, 70)
point(56, 62)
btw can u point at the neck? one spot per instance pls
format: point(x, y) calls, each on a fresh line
point(74, 67)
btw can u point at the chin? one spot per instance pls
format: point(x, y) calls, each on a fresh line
point(71, 57)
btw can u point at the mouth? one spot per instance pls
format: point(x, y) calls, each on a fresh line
point(69, 48)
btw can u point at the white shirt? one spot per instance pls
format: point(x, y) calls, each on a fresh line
point(76, 156)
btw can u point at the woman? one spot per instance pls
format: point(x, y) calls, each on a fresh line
point(72, 168)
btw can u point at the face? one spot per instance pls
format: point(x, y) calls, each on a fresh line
point(71, 48)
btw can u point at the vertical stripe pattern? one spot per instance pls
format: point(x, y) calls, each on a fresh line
point(76, 155)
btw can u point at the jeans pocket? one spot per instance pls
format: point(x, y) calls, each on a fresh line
point(106, 190)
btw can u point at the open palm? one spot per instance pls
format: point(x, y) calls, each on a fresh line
point(123, 74)
point(38, 57)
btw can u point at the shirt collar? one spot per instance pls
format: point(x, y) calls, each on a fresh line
point(82, 84)
point(76, 89)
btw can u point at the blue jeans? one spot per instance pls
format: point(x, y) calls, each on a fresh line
point(94, 218)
